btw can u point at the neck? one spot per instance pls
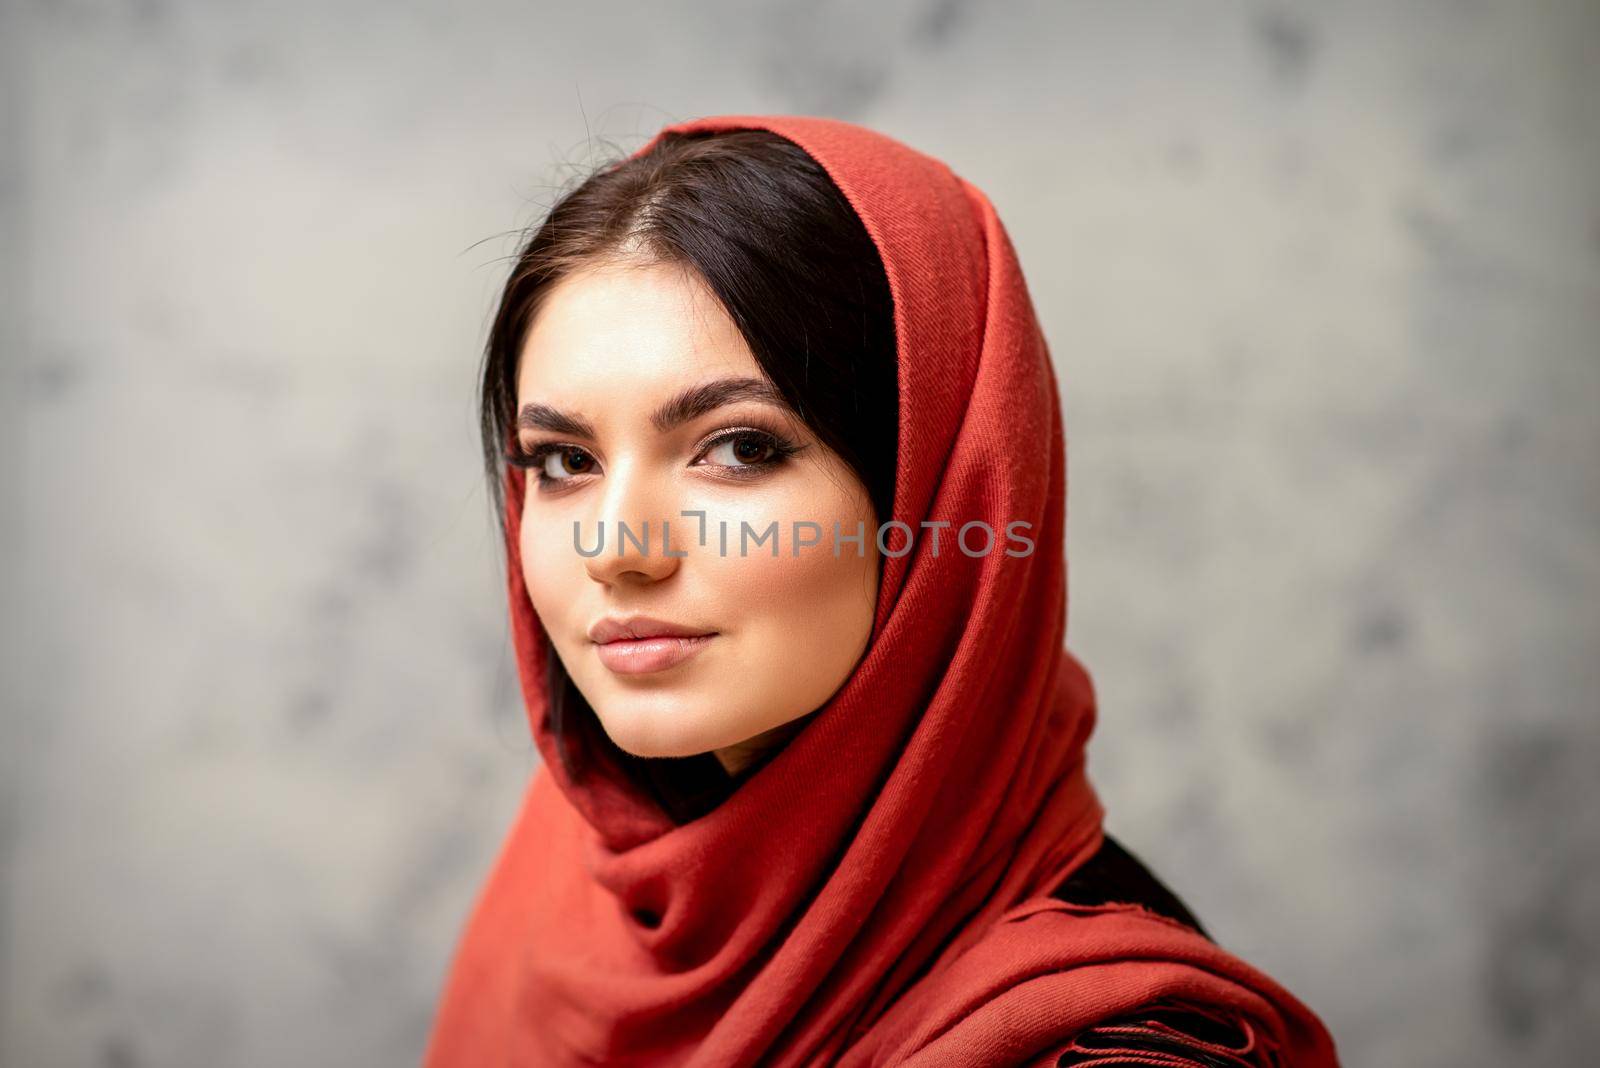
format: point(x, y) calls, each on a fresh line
point(741, 756)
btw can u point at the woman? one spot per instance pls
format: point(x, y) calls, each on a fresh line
point(778, 453)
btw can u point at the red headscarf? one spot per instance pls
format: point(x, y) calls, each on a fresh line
point(876, 893)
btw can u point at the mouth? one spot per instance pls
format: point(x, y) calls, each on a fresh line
point(641, 656)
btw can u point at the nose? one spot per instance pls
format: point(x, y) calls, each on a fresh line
point(630, 518)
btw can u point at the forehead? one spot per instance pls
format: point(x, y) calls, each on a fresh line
point(616, 331)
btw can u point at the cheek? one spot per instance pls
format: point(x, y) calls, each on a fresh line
point(808, 589)
point(800, 623)
point(551, 568)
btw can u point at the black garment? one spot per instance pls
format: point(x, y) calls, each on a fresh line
point(1114, 874)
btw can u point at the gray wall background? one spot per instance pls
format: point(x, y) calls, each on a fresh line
point(1322, 283)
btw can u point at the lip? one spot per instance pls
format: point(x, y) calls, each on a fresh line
point(638, 645)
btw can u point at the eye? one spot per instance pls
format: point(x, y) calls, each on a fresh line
point(737, 451)
point(553, 462)
point(564, 462)
point(742, 450)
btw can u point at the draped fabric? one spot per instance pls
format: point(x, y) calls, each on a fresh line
point(877, 892)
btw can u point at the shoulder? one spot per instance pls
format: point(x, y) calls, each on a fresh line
point(1163, 1032)
point(1166, 1033)
point(965, 1014)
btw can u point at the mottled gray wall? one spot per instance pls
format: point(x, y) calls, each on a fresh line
point(1323, 286)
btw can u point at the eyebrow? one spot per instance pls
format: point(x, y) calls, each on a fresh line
point(686, 405)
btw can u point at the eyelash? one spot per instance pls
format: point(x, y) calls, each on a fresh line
point(782, 449)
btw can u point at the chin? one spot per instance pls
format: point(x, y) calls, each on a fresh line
point(659, 729)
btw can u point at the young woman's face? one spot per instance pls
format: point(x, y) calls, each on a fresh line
point(638, 400)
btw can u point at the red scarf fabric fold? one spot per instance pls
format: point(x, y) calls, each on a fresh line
point(875, 893)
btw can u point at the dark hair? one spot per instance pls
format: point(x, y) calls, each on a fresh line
point(764, 226)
